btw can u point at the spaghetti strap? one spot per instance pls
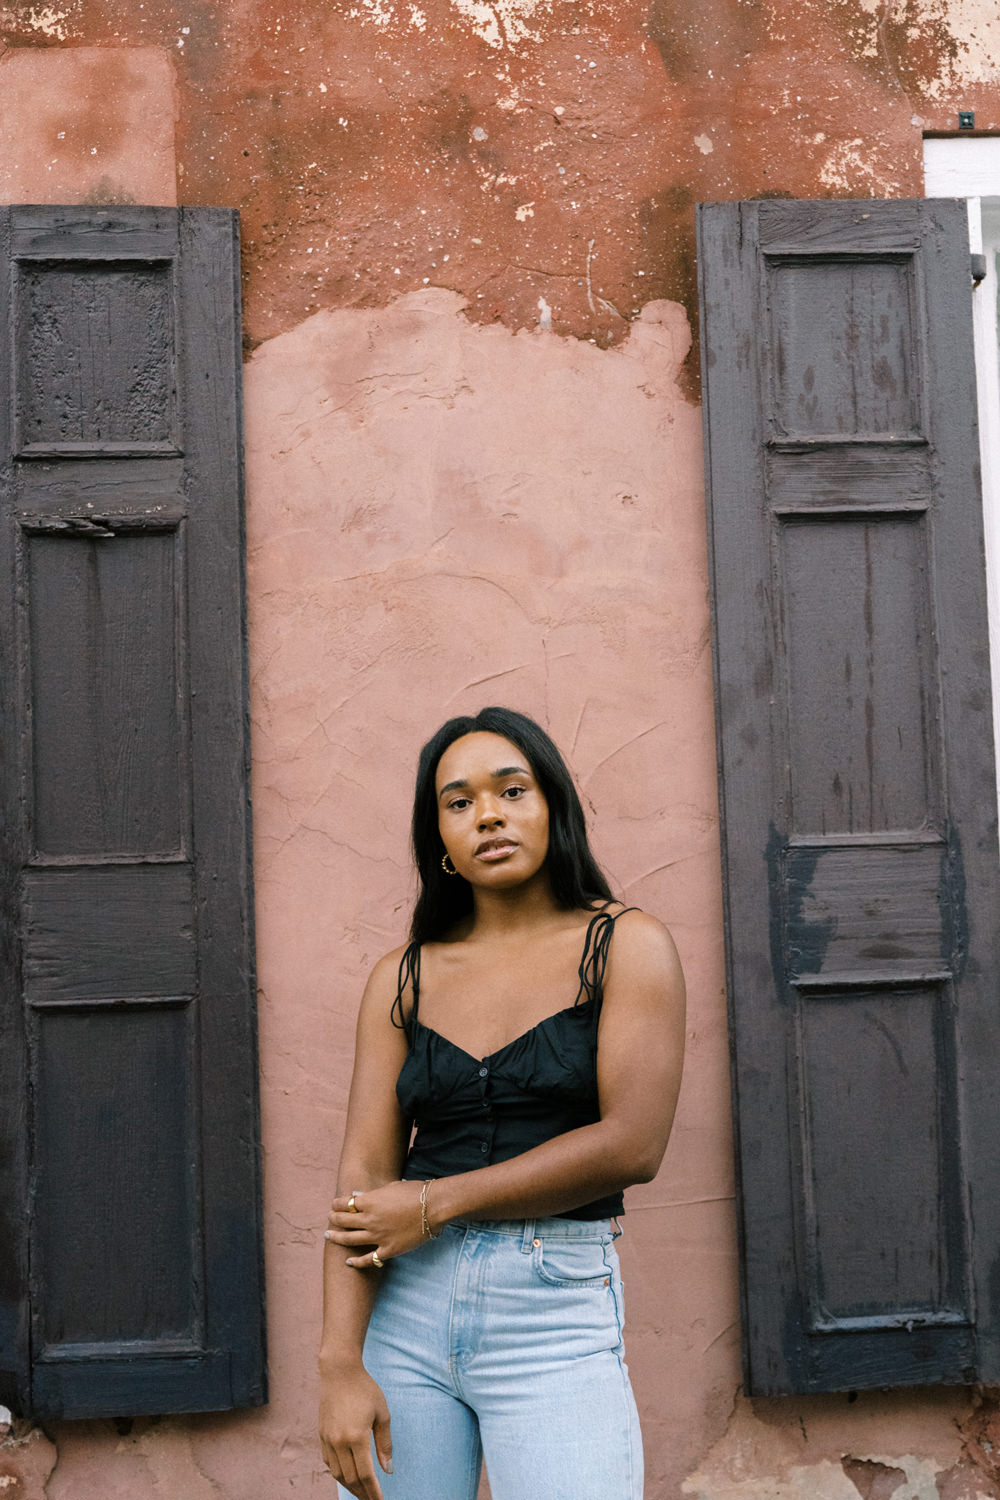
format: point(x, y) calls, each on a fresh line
point(595, 956)
point(409, 973)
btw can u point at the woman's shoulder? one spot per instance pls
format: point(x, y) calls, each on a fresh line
point(631, 919)
point(641, 940)
point(389, 971)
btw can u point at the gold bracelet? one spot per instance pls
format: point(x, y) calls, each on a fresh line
point(425, 1227)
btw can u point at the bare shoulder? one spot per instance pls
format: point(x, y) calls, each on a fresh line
point(643, 954)
point(386, 969)
point(641, 935)
point(383, 984)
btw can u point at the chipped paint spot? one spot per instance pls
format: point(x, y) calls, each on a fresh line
point(977, 29)
point(822, 1481)
point(46, 19)
point(502, 23)
point(544, 314)
point(917, 1480)
point(850, 167)
point(378, 11)
point(524, 211)
point(705, 144)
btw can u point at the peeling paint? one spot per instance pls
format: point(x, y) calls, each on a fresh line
point(28, 1460)
point(503, 23)
point(45, 19)
point(850, 169)
point(835, 1448)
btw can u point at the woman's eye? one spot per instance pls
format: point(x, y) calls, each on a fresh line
point(458, 804)
point(513, 792)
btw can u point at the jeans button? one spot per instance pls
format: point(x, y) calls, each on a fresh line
point(537, 1244)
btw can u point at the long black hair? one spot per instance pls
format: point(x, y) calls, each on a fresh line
point(574, 874)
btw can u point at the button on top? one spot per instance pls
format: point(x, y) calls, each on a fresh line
point(484, 1072)
point(484, 1147)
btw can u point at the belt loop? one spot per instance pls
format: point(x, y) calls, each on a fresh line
point(616, 1230)
point(528, 1236)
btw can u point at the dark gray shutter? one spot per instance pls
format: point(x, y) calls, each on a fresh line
point(857, 784)
point(130, 1269)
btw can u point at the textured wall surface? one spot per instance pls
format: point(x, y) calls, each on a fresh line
point(542, 157)
point(474, 475)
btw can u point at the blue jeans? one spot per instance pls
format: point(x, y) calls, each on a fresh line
point(504, 1339)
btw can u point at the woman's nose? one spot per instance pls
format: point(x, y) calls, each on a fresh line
point(490, 814)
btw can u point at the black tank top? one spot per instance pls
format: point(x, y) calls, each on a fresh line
point(470, 1112)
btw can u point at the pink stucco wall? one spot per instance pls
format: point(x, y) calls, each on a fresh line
point(442, 516)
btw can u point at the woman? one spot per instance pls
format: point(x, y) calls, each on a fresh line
point(533, 1031)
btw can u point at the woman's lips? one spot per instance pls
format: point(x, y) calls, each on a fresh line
point(496, 850)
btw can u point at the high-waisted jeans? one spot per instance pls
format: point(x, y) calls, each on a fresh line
point(504, 1339)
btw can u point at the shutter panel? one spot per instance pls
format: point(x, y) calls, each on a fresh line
point(856, 777)
point(129, 1219)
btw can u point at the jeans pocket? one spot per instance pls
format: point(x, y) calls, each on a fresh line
point(582, 1264)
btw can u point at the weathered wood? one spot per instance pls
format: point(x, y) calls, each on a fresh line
point(119, 1084)
point(40, 233)
point(855, 757)
point(15, 1345)
point(865, 910)
point(127, 998)
point(880, 1150)
point(95, 350)
point(108, 714)
point(850, 474)
point(111, 932)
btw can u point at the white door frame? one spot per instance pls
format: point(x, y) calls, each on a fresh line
point(970, 169)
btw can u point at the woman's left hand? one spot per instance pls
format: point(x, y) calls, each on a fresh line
point(387, 1217)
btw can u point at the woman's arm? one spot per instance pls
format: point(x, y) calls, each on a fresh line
point(351, 1404)
point(639, 1058)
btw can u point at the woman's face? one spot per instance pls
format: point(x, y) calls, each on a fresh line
point(493, 816)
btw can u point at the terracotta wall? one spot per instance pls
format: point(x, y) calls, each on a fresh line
point(474, 475)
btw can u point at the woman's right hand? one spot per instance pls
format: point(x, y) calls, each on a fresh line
point(352, 1409)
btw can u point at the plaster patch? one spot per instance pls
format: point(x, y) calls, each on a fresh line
point(44, 18)
point(378, 11)
point(27, 1462)
point(920, 1482)
point(973, 24)
point(503, 23)
point(822, 1481)
point(850, 167)
point(976, 26)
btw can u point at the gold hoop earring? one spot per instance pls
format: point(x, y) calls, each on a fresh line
point(447, 866)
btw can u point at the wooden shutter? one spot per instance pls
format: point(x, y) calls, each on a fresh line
point(856, 775)
point(130, 1270)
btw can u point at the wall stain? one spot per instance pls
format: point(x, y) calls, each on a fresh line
point(377, 149)
point(873, 1480)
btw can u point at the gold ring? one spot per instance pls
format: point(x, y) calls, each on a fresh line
point(377, 1260)
point(352, 1207)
